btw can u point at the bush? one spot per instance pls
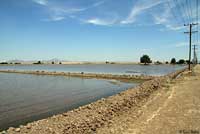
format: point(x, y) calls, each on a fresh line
point(17, 63)
point(4, 63)
point(173, 61)
point(187, 61)
point(39, 62)
point(181, 61)
point(158, 62)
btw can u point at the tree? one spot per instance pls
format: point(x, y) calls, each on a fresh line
point(173, 61)
point(187, 61)
point(39, 62)
point(158, 62)
point(181, 61)
point(145, 59)
point(4, 63)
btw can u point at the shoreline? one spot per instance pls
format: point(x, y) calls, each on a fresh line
point(72, 63)
point(89, 63)
point(85, 75)
point(87, 118)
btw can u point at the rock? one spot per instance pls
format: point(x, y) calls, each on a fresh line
point(3, 132)
point(89, 106)
point(28, 126)
point(11, 129)
point(17, 130)
point(112, 130)
point(64, 114)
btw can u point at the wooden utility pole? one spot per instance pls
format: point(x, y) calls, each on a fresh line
point(190, 40)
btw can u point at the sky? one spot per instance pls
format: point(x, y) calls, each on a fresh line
point(91, 30)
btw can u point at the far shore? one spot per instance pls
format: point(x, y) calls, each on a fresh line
point(83, 63)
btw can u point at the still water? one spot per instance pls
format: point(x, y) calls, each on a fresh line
point(154, 70)
point(25, 98)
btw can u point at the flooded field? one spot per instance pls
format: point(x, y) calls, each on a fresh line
point(154, 70)
point(25, 98)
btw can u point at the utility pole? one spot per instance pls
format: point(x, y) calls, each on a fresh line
point(195, 60)
point(190, 40)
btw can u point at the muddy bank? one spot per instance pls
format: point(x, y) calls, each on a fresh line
point(88, 118)
point(85, 75)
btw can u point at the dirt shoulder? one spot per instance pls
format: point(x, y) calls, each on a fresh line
point(173, 110)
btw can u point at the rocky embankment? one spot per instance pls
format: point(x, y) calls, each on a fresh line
point(84, 75)
point(88, 118)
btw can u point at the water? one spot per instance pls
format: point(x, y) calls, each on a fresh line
point(154, 70)
point(25, 98)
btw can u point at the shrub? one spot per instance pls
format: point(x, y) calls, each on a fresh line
point(173, 61)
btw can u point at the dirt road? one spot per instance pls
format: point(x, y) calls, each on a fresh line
point(175, 109)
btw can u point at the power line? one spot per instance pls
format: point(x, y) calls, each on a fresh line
point(172, 11)
point(185, 13)
point(188, 11)
point(180, 11)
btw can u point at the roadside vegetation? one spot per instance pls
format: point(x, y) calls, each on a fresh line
point(146, 60)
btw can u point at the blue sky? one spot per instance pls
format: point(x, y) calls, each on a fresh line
point(90, 30)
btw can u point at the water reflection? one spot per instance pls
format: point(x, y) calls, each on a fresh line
point(24, 98)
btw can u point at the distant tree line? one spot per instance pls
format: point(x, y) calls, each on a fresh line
point(9, 63)
point(145, 59)
point(39, 62)
point(181, 61)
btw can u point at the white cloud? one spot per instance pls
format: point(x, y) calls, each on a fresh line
point(145, 50)
point(140, 7)
point(162, 17)
point(166, 18)
point(98, 3)
point(54, 18)
point(57, 12)
point(97, 21)
point(41, 2)
point(174, 28)
point(182, 44)
point(158, 14)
